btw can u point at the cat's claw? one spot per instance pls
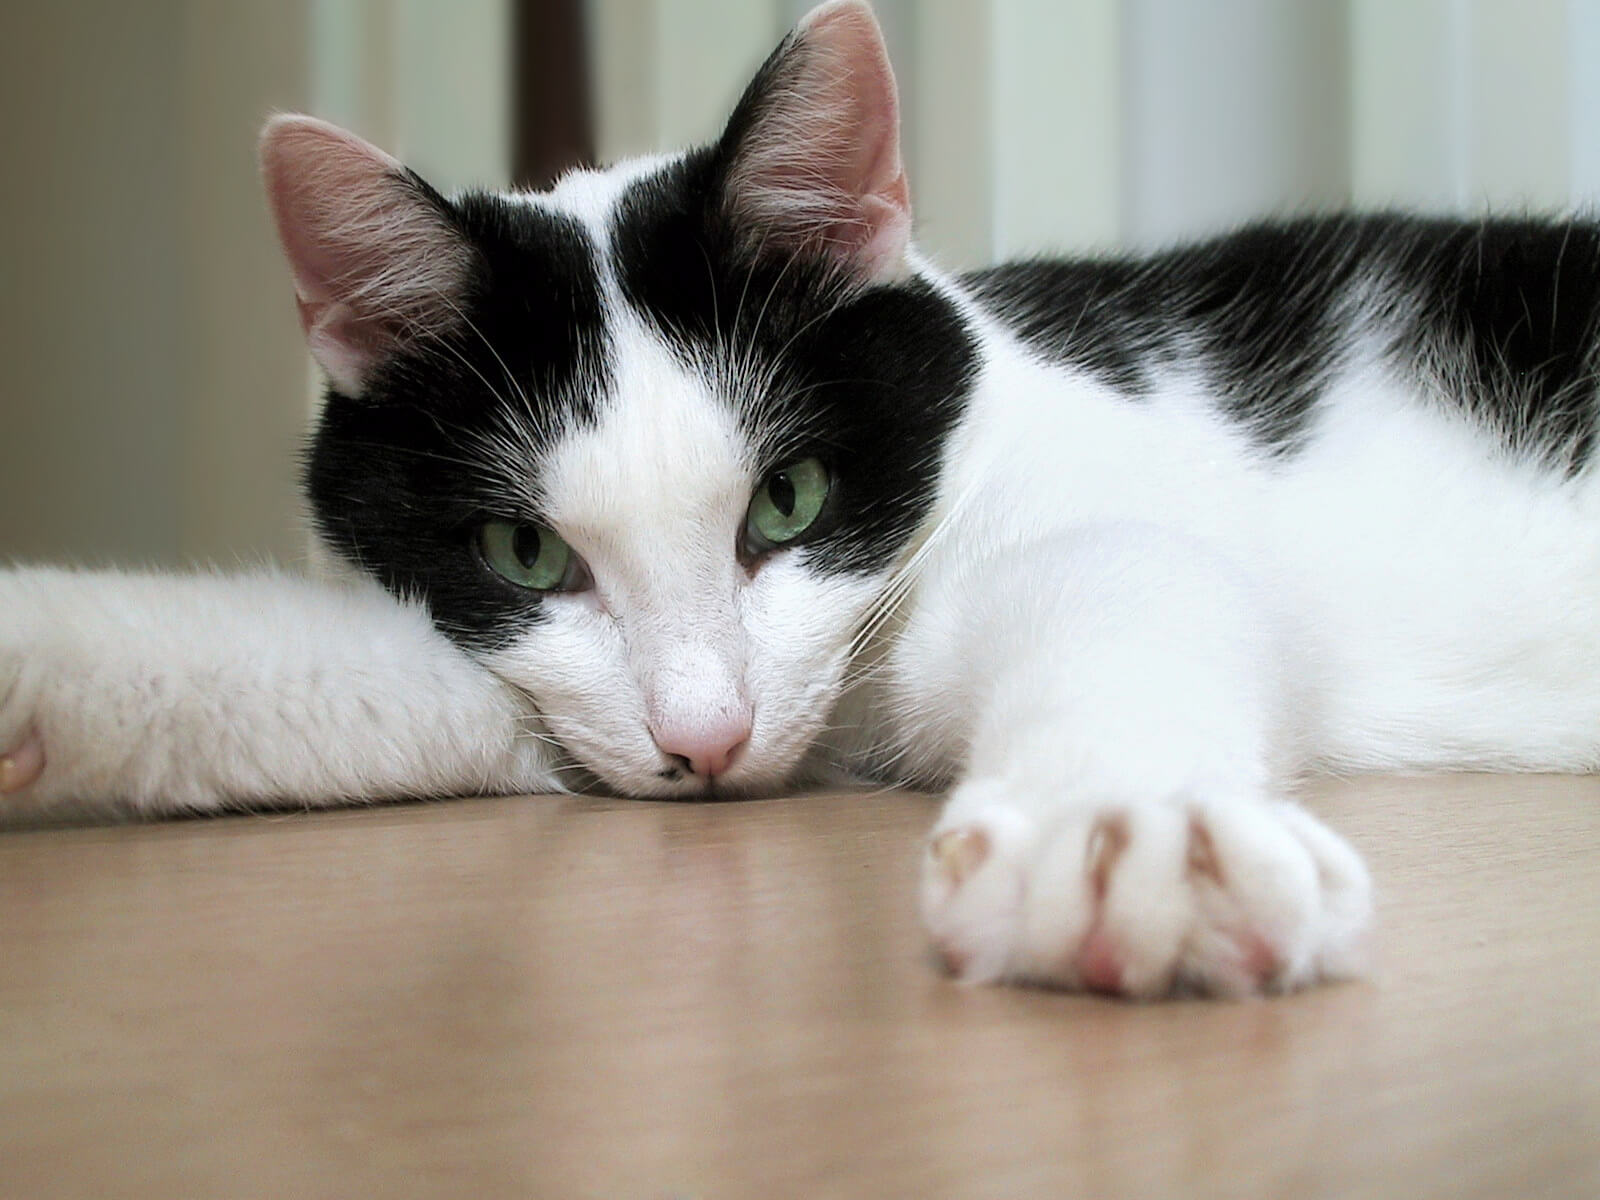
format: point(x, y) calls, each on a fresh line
point(1146, 900)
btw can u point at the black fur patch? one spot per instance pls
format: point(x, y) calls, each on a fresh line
point(1498, 316)
point(399, 479)
point(871, 381)
point(1508, 326)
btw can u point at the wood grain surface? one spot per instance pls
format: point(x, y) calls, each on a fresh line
point(572, 997)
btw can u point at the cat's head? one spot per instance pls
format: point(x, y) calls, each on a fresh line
point(651, 445)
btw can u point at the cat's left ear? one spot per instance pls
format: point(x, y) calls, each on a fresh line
point(378, 265)
point(813, 149)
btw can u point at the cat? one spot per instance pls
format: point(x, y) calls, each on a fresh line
point(692, 476)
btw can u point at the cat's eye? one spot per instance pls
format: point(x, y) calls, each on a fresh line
point(531, 556)
point(787, 503)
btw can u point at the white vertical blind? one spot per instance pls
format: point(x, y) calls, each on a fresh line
point(1038, 125)
point(1055, 179)
point(429, 82)
point(1583, 100)
point(1232, 107)
point(1463, 105)
point(667, 72)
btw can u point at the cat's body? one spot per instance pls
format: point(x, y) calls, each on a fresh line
point(709, 483)
point(1397, 468)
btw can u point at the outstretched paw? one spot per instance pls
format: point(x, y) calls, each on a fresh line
point(1145, 900)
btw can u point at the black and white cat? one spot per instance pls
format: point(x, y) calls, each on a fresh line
point(692, 476)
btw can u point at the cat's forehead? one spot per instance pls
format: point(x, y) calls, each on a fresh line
point(659, 434)
point(664, 446)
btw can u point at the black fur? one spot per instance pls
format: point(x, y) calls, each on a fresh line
point(1514, 308)
point(399, 480)
point(870, 380)
point(1499, 317)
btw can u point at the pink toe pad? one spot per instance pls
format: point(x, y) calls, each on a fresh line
point(22, 765)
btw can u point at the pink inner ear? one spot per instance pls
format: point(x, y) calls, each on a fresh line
point(374, 263)
point(822, 165)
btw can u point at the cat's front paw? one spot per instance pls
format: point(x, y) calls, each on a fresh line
point(1146, 899)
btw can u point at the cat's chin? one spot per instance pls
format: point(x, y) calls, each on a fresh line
point(710, 790)
point(755, 786)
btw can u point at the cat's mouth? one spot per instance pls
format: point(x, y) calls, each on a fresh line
point(671, 782)
point(681, 786)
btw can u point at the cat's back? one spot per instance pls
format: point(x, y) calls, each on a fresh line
point(1498, 318)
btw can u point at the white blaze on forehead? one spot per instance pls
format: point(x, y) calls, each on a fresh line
point(653, 495)
point(665, 464)
point(591, 193)
point(592, 196)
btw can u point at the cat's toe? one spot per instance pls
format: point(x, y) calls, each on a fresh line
point(974, 881)
point(1255, 901)
point(1105, 917)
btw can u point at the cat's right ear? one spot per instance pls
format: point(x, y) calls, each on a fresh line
point(811, 156)
point(377, 262)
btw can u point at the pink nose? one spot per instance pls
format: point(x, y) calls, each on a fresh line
point(707, 750)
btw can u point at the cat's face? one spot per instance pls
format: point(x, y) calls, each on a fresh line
point(650, 445)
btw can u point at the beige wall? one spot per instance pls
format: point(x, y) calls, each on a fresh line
point(147, 336)
point(153, 385)
point(88, 323)
point(243, 365)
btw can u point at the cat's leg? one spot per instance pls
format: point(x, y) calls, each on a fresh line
point(1120, 825)
point(153, 694)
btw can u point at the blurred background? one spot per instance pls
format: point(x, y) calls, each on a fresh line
point(155, 391)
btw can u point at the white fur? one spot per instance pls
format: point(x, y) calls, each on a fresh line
point(1119, 636)
point(156, 694)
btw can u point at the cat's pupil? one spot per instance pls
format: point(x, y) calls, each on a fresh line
point(525, 545)
point(781, 491)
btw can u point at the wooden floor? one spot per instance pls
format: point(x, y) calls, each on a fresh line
point(565, 997)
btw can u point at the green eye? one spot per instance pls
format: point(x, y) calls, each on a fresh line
point(786, 504)
point(531, 556)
